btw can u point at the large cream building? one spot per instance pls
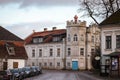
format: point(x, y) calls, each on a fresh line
point(69, 48)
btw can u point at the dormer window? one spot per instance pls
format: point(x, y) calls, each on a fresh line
point(11, 50)
point(57, 38)
point(40, 40)
point(37, 40)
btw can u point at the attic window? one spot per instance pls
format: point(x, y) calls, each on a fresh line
point(11, 50)
point(37, 40)
point(57, 38)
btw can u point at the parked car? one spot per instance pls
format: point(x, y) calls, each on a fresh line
point(27, 71)
point(5, 75)
point(39, 70)
point(34, 70)
point(15, 74)
point(22, 73)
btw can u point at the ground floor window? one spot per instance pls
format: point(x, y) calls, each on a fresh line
point(58, 63)
point(33, 64)
point(68, 64)
point(50, 63)
point(15, 64)
point(114, 64)
point(40, 64)
point(45, 64)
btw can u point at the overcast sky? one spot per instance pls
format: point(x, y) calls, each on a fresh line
point(21, 17)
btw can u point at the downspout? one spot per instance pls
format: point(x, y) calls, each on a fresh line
point(86, 48)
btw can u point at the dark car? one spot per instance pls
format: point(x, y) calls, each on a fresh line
point(22, 73)
point(39, 70)
point(15, 74)
point(33, 70)
point(27, 71)
point(5, 75)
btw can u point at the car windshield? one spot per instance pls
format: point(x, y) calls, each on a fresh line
point(15, 71)
point(27, 69)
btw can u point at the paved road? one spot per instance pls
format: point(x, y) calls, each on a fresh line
point(63, 75)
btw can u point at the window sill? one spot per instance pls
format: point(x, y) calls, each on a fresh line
point(108, 49)
point(117, 49)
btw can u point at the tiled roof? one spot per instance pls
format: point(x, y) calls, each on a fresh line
point(6, 35)
point(19, 49)
point(47, 34)
point(113, 19)
point(8, 39)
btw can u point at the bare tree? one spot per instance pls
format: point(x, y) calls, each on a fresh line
point(98, 8)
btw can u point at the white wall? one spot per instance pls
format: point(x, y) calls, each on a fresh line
point(45, 54)
point(21, 63)
point(111, 30)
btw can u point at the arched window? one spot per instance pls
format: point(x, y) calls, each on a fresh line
point(75, 37)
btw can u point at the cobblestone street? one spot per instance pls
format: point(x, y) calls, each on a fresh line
point(64, 75)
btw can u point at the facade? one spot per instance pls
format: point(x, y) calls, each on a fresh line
point(110, 41)
point(71, 47)
point(46, 49)
point(110, 35)
point(12, 51)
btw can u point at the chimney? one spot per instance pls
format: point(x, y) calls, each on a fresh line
point(54, 28)
point(33, 31)
point(45, 29)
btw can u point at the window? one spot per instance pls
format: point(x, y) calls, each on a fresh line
point(81, 51)
point(33, 53)
point(33, 64)
point(37, 40)
point(58, 63)
point(57, 38)
point(117, 41)
point(92, 51)
point(69, 38)
point(15, 64)
point(108, 42)
point(82, 37)
point(11, 51)
point(45, 64)
point(68, 64)
point(92, 39)
point(40, 64)
point(69, 51)
point(50, 63)
point(51, 52)
point(75, 37)
point(40, 52)
point(58, 52)
point(40, 40)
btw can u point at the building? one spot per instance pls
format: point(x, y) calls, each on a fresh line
point(46, 48)
point(81, 42)
point(110, 42)
point(68, 48)
point(12, 51)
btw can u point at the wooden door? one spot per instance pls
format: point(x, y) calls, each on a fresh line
point(5, 65)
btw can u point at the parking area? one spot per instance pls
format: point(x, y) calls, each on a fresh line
point(63, 75)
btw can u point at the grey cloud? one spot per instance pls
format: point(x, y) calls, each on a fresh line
point(24, 29)
point(26, 3)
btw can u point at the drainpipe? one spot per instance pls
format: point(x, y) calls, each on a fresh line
point(64, 59)
point(86, 49)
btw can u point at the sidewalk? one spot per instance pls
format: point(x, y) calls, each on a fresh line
point(97, 74)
